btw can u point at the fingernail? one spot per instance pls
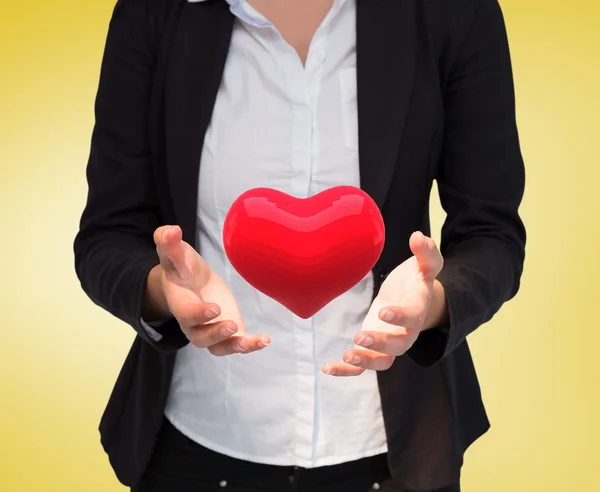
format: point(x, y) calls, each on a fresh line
point(387, 315)
point(166, 233)
point(241, 345)
point(228, 330)
point(264, 341)
point(328, 370)
point(211, 313)
point(365, 341)
point(352, 359)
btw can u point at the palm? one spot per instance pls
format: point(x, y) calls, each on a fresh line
point(201, 285)
point(404, 286)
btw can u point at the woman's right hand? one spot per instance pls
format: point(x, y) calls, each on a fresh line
point(185, 287)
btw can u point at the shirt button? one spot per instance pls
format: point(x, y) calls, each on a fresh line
point(223, 483)
point(376, 486)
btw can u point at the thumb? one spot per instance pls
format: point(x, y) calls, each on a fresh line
point(427, 254)
point(169, 246)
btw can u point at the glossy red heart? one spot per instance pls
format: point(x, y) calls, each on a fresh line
point(304, 252)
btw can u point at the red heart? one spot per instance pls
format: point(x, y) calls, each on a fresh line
point(304, 252)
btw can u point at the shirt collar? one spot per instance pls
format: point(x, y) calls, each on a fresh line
point(230, 2)
point(236, 6)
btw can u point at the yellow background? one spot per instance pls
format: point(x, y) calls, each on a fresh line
point(538, 360)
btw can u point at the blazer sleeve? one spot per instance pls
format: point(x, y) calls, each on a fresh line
point(114, 248)
point(481, 182)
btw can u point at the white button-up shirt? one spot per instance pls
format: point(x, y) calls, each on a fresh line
point(279, 124)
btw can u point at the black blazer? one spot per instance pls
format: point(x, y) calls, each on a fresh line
point(435, 101)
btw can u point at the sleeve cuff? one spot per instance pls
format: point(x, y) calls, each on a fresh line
point(430, 347)
point(149, 328)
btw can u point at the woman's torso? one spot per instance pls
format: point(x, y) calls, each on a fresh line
point(290, 126)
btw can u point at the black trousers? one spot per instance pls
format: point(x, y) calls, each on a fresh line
point(182, 465)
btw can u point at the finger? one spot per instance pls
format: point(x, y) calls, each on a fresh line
point(396, 343)
point(209, 334)
point(428, 256)
point(167, 235)
point(240, 344)
point(189, 310)
point(342, 369)
point(368, 359)
point(169, 246)
point(411, 316)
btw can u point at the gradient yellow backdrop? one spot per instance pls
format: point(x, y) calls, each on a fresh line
point(538, 360)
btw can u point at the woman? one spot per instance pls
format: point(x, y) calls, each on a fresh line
point(224, 389)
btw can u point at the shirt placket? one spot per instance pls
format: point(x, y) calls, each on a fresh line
point(303, 84)
point(296, 80)
point(299, 83)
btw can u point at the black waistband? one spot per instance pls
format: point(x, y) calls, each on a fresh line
point(176, 454)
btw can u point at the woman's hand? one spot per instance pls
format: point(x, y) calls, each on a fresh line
point(410, 300)
point(184, 286)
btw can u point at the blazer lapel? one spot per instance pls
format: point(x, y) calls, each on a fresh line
point(386, 53)
point(198, 56)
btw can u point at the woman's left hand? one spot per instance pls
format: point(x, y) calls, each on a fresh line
point(409, 301)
